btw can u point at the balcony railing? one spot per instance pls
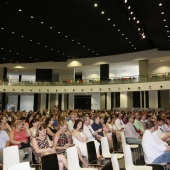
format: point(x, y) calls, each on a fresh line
point(93, 81)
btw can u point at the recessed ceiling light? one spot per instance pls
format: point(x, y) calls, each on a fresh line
point(36, 59)
point(164, 19)
point(167, 31)
point(58, 51)
point(162, 13)
point(125, 1)
point(45, 46)
point(88, 49)
point(51, 28)
point(63, 53)
point(66, 36)
point(32, 17)
point(129, 42)
point(97, 54)
point(58, 32)
point(52, 49)
point(78, 43)
point(30, 57)
point(72, 40)
point(102, 12)
point(126, 38)
point(95, 5)
point(20, 10)
point(2, 28)
point(137, 21)
point(129, 7)
point(4, 58)
point(12, 32)
point(2, 48)
point(10, 51)
point(114, 25)
point(42, 22)
point(166, 26)
point(17, 53)
point(169, 36)
point(38, 43)
point(118, 30)
point(123, 34)
point(143, 36)
point(30, 40)
point(132, 45)
point(134, 18)
point(108, 19)
point(138, 29)
point(10, 60)
point(160, 4)
point(131, 12)
point(22, 36)
point(84, 46)
point(92, 51)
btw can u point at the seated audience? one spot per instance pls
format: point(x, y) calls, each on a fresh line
point(34, 124)
point(42, 145)
point(4, 125)
point(71, 122)
point(4, 142)
point(167, 125)
point(119, 124)
point(80, 139)
point(51, 129)
point(155, 151)
point(19, 136)
point(61, 142)
point(138, 124)
point(131, 135)
point(143, 120)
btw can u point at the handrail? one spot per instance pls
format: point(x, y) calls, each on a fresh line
point(93, 81)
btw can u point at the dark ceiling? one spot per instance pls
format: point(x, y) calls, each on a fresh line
point(57, 30)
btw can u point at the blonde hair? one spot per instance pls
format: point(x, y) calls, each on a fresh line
point(17, 122)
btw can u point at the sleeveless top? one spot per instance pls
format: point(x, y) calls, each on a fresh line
point(52, 130)
point(41, 145)
point(20, 136)
point(61, 142)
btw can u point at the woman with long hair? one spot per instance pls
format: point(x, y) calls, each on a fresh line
point(42, 145)
point(34, 124)
point(4, 125)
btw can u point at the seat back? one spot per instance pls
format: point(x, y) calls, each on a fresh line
point(127, 156)
point(49, 162)
point(91, 151)
point(105, 146)
point(10, 156)
point(20, 166)
point(72, 158)
point(115, 163)
point(123, 139)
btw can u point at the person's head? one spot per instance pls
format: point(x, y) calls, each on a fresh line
point(49, 121)
point(97, 119)
point(102, 120)
point(18, 124)
point(78, 125)
point(168, 120)
point(131, 119)
point(160, 121)
point(143, 117)
point(3, 119)
point(87, 120)
point(35, 122)
point(108, 119)
point(150, 125)
point(137, 116)
point(41, 130)
point(63, 127)
point(119, 116)
point(72, 117)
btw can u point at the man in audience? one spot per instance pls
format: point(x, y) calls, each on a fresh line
point(155, 151)
point(119, 124)
point(131, 135)
point(97, 127)
point(138, 124)
point(88, 130)
point(71, 122)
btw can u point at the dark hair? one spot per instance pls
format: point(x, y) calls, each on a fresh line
point(47, 120)
point(41, 127)
point(33, 121)
point(159, 119)
point(150, 124)
point(76, 123)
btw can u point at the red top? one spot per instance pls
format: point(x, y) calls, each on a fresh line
point(20, 136)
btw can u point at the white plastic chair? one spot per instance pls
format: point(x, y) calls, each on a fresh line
point(135, 147)
point(105, 149)
point(73, 161)
point(115, 163)
point(128, 160)
point(21, 166)
point(10, 157)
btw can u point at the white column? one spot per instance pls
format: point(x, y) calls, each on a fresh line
point(123, 99)
point(153, 99)
point(71, 101)
point(95, 101)
point(109, 101)
point(62, 101)
point(144, 98)
point(42, 102)
point(140, 99)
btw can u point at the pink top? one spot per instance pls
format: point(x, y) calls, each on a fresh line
point(20, 136)
point(167, 128)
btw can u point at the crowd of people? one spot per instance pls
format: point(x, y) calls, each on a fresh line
point(37, 134)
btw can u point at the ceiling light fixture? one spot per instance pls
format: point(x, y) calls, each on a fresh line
point(129, 7)
point(131, 12)
point(134, 18)
point(160, 4)
point(51, 28)
point(114, 25)
point(20, 10)
point(164, 20)
point(125, 1)
point(108, 19)
point(32, 17)
point(2, 28)
point(137, 21)
point(42, 22)
point(22, 36)
point(95, 5)
point(102, 12)
point(13, 32)
point(162, 13)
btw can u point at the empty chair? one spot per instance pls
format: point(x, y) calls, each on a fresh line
point(115, 163)
point(49, 162)
point(21, 166)
point(92, 157)
point(73, 161)
point(134, 147)
point(10, 157)
point(105, 149)
point(128, 160)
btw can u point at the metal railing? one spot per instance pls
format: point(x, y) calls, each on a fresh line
point(93, 81)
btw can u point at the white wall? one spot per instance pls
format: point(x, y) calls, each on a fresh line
point(95, 101)
point(26, 102)
point(91, 74)
point(123, 73)
point(12, 99)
